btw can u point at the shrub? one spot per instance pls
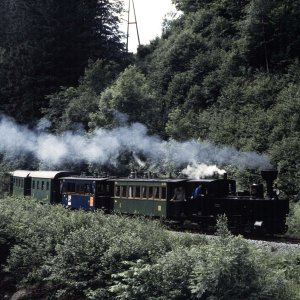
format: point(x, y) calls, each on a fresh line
point(293, 221)
point(61, 254)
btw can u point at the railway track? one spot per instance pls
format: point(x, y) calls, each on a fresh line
point(276, 239)
point(273, 242)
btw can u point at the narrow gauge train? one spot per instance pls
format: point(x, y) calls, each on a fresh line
point(181, 200)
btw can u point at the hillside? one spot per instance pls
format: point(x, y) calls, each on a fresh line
point(223, 72)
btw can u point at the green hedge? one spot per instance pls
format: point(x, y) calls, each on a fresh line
point(55, 253)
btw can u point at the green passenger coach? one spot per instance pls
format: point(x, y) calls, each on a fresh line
point(21, 183)
point(149, 197)
point(45, 186)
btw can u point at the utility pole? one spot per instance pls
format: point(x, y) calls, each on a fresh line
point(132, 23)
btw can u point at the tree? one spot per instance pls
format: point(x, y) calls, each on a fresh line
point(271, 33)
point(131, 95)
point(48, 45)
point(71, 106)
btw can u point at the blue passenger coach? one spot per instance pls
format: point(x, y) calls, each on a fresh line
point(87, 193)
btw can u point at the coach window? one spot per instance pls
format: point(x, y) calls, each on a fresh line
point(107, 188)
point(33, 184)
point(117, 191)
point(163, 193)
point(137, 191)
point(64, 187)
point(78, 188)
point(144, 192)
point(81, 188)
point(69, 187)
point(156, 192)
point(47, 185)
point(43, 185)
point(123, 191)
point(150, 192)
point(88, 189)
point(37, 185)
point(130, 192)
point(22, 183)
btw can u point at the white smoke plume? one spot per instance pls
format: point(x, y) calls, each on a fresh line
point(198, 171)
point(105, 146)
point(43, 124)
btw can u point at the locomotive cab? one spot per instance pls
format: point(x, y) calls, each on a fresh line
point(213, 187)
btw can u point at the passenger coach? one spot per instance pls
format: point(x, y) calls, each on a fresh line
point(87, 193)
point(21, 183)
point(149, 197)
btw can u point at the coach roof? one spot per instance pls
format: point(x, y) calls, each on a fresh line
point(21, 173)
point(49, 174)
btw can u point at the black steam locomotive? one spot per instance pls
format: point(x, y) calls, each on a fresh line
point(197, 202)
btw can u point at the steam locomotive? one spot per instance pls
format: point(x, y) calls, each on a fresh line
point(173, 200)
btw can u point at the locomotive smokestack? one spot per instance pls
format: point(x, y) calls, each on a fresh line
point(269, 176)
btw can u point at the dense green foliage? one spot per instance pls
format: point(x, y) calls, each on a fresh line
point(293, 220)
point(56, 253)
point(224, 71)
point(72, 106)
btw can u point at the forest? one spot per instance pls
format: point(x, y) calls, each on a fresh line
point(226, 72)
point(223, 73)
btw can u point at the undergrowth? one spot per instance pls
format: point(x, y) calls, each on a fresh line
point(55, 253)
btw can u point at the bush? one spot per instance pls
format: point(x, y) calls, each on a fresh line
point(293, 221)
point(62, 254)
point(74, 252)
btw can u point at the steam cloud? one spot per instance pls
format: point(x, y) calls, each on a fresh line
point(197, 171)
point(105, 146)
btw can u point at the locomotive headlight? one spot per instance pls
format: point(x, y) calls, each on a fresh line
point(258, 223)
